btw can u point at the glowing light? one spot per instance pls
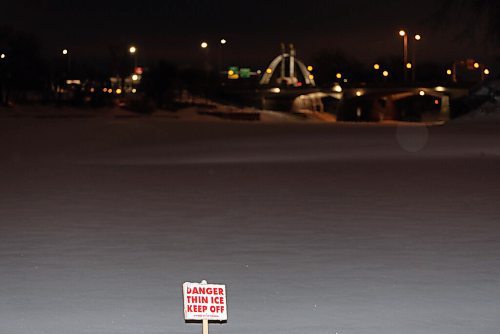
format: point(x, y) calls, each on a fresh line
point(359, 93)
point(223, 41)
point(486, 71)
point(275, 90)
point(402, 33)
point(269, 71)
point(110, 91)
point(134, 90)
point(418, 37)
point(421, 93)
point(476, 65)
point(337, 88)
point(132, 49)
point(409, 66)
point(376, 67)
point(2, 56)
point(339, 75)
point(436, 102)
point(118, 91)
point(230, 72)
point(310, 68)
point(104, 90)
point(204, 45)
point(385, 74)
point(311, 77)
point(135, 77)
point(92, 90)
point(259, 72)
point(65, 51)
point(440, 89)
point(449, 72)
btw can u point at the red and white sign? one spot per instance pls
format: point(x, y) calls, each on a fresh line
point(204, 301)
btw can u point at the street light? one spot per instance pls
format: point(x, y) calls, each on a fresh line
point(66, 53)
point(403, 34)
point(204, 46)
point(221, 61)
point(2, 56)
point(376, 67)
point(414, 58)
point(133, 51)
point(486, 71)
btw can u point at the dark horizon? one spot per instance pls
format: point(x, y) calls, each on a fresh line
point(173, 30)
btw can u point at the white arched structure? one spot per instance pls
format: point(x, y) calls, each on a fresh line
point(281, 59)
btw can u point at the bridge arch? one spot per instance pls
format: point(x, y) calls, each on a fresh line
point(293, 62)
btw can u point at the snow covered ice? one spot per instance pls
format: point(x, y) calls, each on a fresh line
point(315, 228)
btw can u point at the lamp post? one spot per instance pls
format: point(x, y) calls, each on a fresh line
point(376, 74)
point(65, 53)
point(484, 73)
point(3, 89)
point(205, 49)
point(133, 51)
point(403, 34)
point(418, 38)
point(223, 43)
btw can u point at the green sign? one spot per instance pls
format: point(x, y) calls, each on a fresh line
point(245, 73)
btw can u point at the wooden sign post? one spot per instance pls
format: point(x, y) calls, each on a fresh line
point(205, 326)
point(205, 302)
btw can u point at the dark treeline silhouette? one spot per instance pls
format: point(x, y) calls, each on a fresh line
point(27, 76)
point(330, 63)
point(22, 69)
point(480, 18)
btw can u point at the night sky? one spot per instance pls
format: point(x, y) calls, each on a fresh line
point(173, 29)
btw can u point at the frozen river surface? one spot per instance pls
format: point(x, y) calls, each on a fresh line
point(315, 228)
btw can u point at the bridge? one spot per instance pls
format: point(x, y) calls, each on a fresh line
point(287, 85)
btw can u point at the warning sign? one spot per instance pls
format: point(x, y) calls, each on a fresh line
point(204, 301)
